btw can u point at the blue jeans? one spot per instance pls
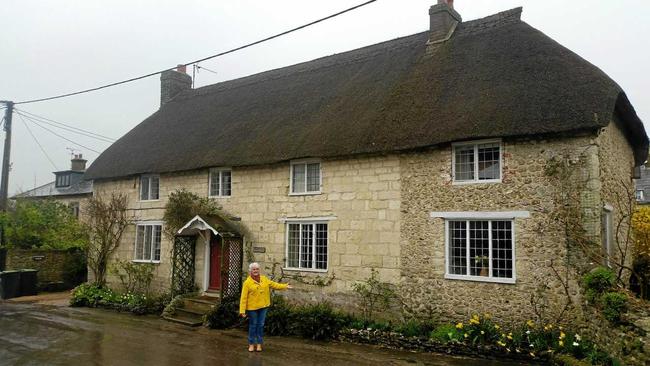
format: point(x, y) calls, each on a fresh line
point(256, 325)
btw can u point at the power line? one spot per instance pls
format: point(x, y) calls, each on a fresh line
point(56, 134)
point(203, 59)
point(37, 143)
point(66, 127)
point(206, 69)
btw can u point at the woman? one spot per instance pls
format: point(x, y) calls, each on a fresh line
point(255, 302)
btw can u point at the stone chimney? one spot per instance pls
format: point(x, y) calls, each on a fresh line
point(172, 82)
point(443, 20)
point(78, 163)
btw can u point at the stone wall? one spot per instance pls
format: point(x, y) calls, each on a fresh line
point(51, 264)
point(617, 188)
point(539, 240)
point(361, 196)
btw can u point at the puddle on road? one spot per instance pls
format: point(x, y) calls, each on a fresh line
point(44, 335)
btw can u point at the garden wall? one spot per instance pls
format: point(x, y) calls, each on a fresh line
point(57, 269)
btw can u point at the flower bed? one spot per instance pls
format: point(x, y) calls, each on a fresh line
point(93, 296)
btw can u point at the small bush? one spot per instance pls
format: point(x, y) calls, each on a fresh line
point(614, 304)
point(445, 333)
point(319, 322)
point(134, 277)
point(225, 315)
point(87, 295)
point(598, 281)
point(280, 318)
point(415, 328)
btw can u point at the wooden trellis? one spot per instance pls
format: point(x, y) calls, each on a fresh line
point(232, 272)
point(183, 265)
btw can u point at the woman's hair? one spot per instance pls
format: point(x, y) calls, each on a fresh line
point(254, 264)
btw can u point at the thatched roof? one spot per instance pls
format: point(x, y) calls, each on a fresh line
point(496, 77)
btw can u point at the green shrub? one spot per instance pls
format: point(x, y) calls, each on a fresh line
point(87, 294)
point(614, 304)
point(598, 281)
point(445, 333)
point(280, 318)
point(415, 328)
point(134, 277)
point(319, 322)
point(225, 314)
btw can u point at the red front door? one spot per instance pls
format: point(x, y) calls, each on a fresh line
point(216, 248)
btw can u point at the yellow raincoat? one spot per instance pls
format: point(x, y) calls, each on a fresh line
point(257, 295)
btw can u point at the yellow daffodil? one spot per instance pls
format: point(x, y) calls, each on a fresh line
point(459, 326)
point(562, 335)
point(530, 323)
point(560, 343)
point(497, 327)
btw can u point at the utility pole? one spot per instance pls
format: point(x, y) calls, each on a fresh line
point(4, 184)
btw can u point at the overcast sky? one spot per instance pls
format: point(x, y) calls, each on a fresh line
point(54, 47)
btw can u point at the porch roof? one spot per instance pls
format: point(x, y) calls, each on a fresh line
point(217, 225)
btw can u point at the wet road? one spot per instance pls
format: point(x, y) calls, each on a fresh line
point(35, 334)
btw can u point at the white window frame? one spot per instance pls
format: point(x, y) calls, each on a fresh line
point(313, 261)
point(135, 242)
point(481, 216)
point(639, 195)
point(149, 188)
point(608, 233)
point(475, 144)
point(62, 180)
point(219, 171)
point(320, 177)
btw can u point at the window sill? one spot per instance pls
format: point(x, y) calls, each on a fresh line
point(510, 281)
point(466, 182)
point(145, 261)
point(314, 193)
point(141, 201)
point(305, 270)
point(219, 196)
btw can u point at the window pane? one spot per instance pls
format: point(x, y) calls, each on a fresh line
point(298, 179)
point(214, 183)
point(156, 242)
point(226, 179)
point(155, 185)
point(147, 243)
point(479, 248)
point(488, 162)
point(293, 246)
point(502, 249)
point(321, 246)
point(144, 188)
point(306, 245)
point(139, 242)
point(464, 167)
point(313, 177)
point(457, 247)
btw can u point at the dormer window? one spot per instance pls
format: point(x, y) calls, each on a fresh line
point(62, 180)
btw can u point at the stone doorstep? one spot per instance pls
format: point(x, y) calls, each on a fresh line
point(199, 305)
point(192, 322)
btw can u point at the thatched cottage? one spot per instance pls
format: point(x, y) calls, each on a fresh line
point(432, 158)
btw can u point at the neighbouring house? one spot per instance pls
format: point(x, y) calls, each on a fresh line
point(68, 187)
point(437, 159)
point(642, 186)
